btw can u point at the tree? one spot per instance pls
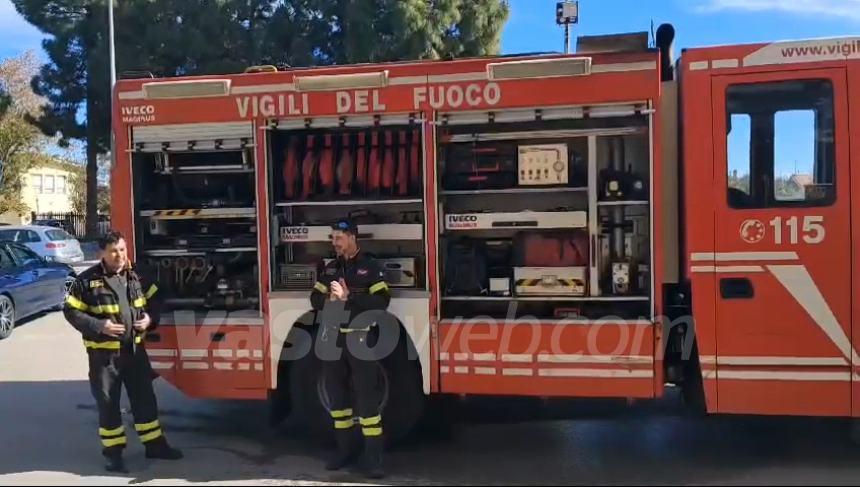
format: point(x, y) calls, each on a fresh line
point(77, 187)
point(193, 37)
point(20, 151)
point(359, 31)
point(104, 199)
point(74, 79)
point(21, 145)
point(15, 76)
point(5, 101)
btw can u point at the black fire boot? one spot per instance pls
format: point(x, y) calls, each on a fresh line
point(371, 465)
point(160, 450)
point(347, 451)
point(115, 463)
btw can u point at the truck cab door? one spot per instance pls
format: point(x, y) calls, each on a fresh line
point(782, 259)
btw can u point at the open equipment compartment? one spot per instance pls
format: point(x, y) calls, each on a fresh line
point(196, 216)
point(544, 218)
point(623, 259)
point(374, 174)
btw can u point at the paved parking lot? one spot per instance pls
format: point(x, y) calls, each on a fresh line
point(48, 432)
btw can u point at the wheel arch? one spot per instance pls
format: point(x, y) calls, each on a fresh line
point(291, 319)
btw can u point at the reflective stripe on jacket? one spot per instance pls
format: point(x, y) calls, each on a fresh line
point(92, 300)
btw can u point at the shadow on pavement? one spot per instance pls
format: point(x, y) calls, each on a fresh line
point(52, 427)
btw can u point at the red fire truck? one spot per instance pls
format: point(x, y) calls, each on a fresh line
point(604, 224)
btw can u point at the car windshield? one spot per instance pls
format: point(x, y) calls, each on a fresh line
point(54, 235)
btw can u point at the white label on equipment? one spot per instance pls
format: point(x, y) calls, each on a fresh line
point(295, 234)
point(522, 219)
point(543, 164)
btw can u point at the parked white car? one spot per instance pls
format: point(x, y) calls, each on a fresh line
point(51, 243)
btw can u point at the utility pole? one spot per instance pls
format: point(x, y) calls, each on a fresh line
point(567, 13)
point(112, 49)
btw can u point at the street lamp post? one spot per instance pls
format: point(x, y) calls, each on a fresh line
point(112, 51)
point(567, 13)
point(112, 78)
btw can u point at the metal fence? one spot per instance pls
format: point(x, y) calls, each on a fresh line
point(74, 223)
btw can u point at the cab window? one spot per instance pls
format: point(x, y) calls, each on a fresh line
point(780, 144)
point(6, 260)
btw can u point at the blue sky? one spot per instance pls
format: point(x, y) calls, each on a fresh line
point(532, 23)
point(697, 22)
point(532, 27)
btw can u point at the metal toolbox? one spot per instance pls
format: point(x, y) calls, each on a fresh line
point(298, 277)
point(399, 272)
point(550, 281)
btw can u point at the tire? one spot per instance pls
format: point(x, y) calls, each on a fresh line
point(307, 411)
point(406, 401)
point(402, 405)
point(854, 432)
point(693, 387)
point(7, 316)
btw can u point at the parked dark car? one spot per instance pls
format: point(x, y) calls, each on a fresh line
point(28, 285)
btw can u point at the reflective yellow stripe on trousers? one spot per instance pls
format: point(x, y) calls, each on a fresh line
point(371, 426)
point(150, 436)
point(371, 432)
point(343, 419)
point(146, 426)
point(112, 437)
point(113, 432)
point(114, 442)
point(374, 421)
point(341, 413)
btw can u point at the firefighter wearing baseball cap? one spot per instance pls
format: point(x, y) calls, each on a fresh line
point(354, 281)
point(110, 305)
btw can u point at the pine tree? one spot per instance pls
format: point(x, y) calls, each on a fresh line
point(193, 37)
point(359, 31)
point(76, 78)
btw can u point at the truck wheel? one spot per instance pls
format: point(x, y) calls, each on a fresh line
point(854, 432)
point(402, 396)
point(693, 387)
point(307, 408)
point(405, 400)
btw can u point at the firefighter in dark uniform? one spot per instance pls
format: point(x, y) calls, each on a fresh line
point(354, 281)
point(113, 307)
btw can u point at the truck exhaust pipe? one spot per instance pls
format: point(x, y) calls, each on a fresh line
point(665, 43)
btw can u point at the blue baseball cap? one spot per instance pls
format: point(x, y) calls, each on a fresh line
point(345, 225)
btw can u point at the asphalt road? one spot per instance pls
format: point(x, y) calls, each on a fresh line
point(48, 435)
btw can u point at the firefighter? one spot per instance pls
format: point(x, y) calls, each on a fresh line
point(113, 307)
point(352, 283)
